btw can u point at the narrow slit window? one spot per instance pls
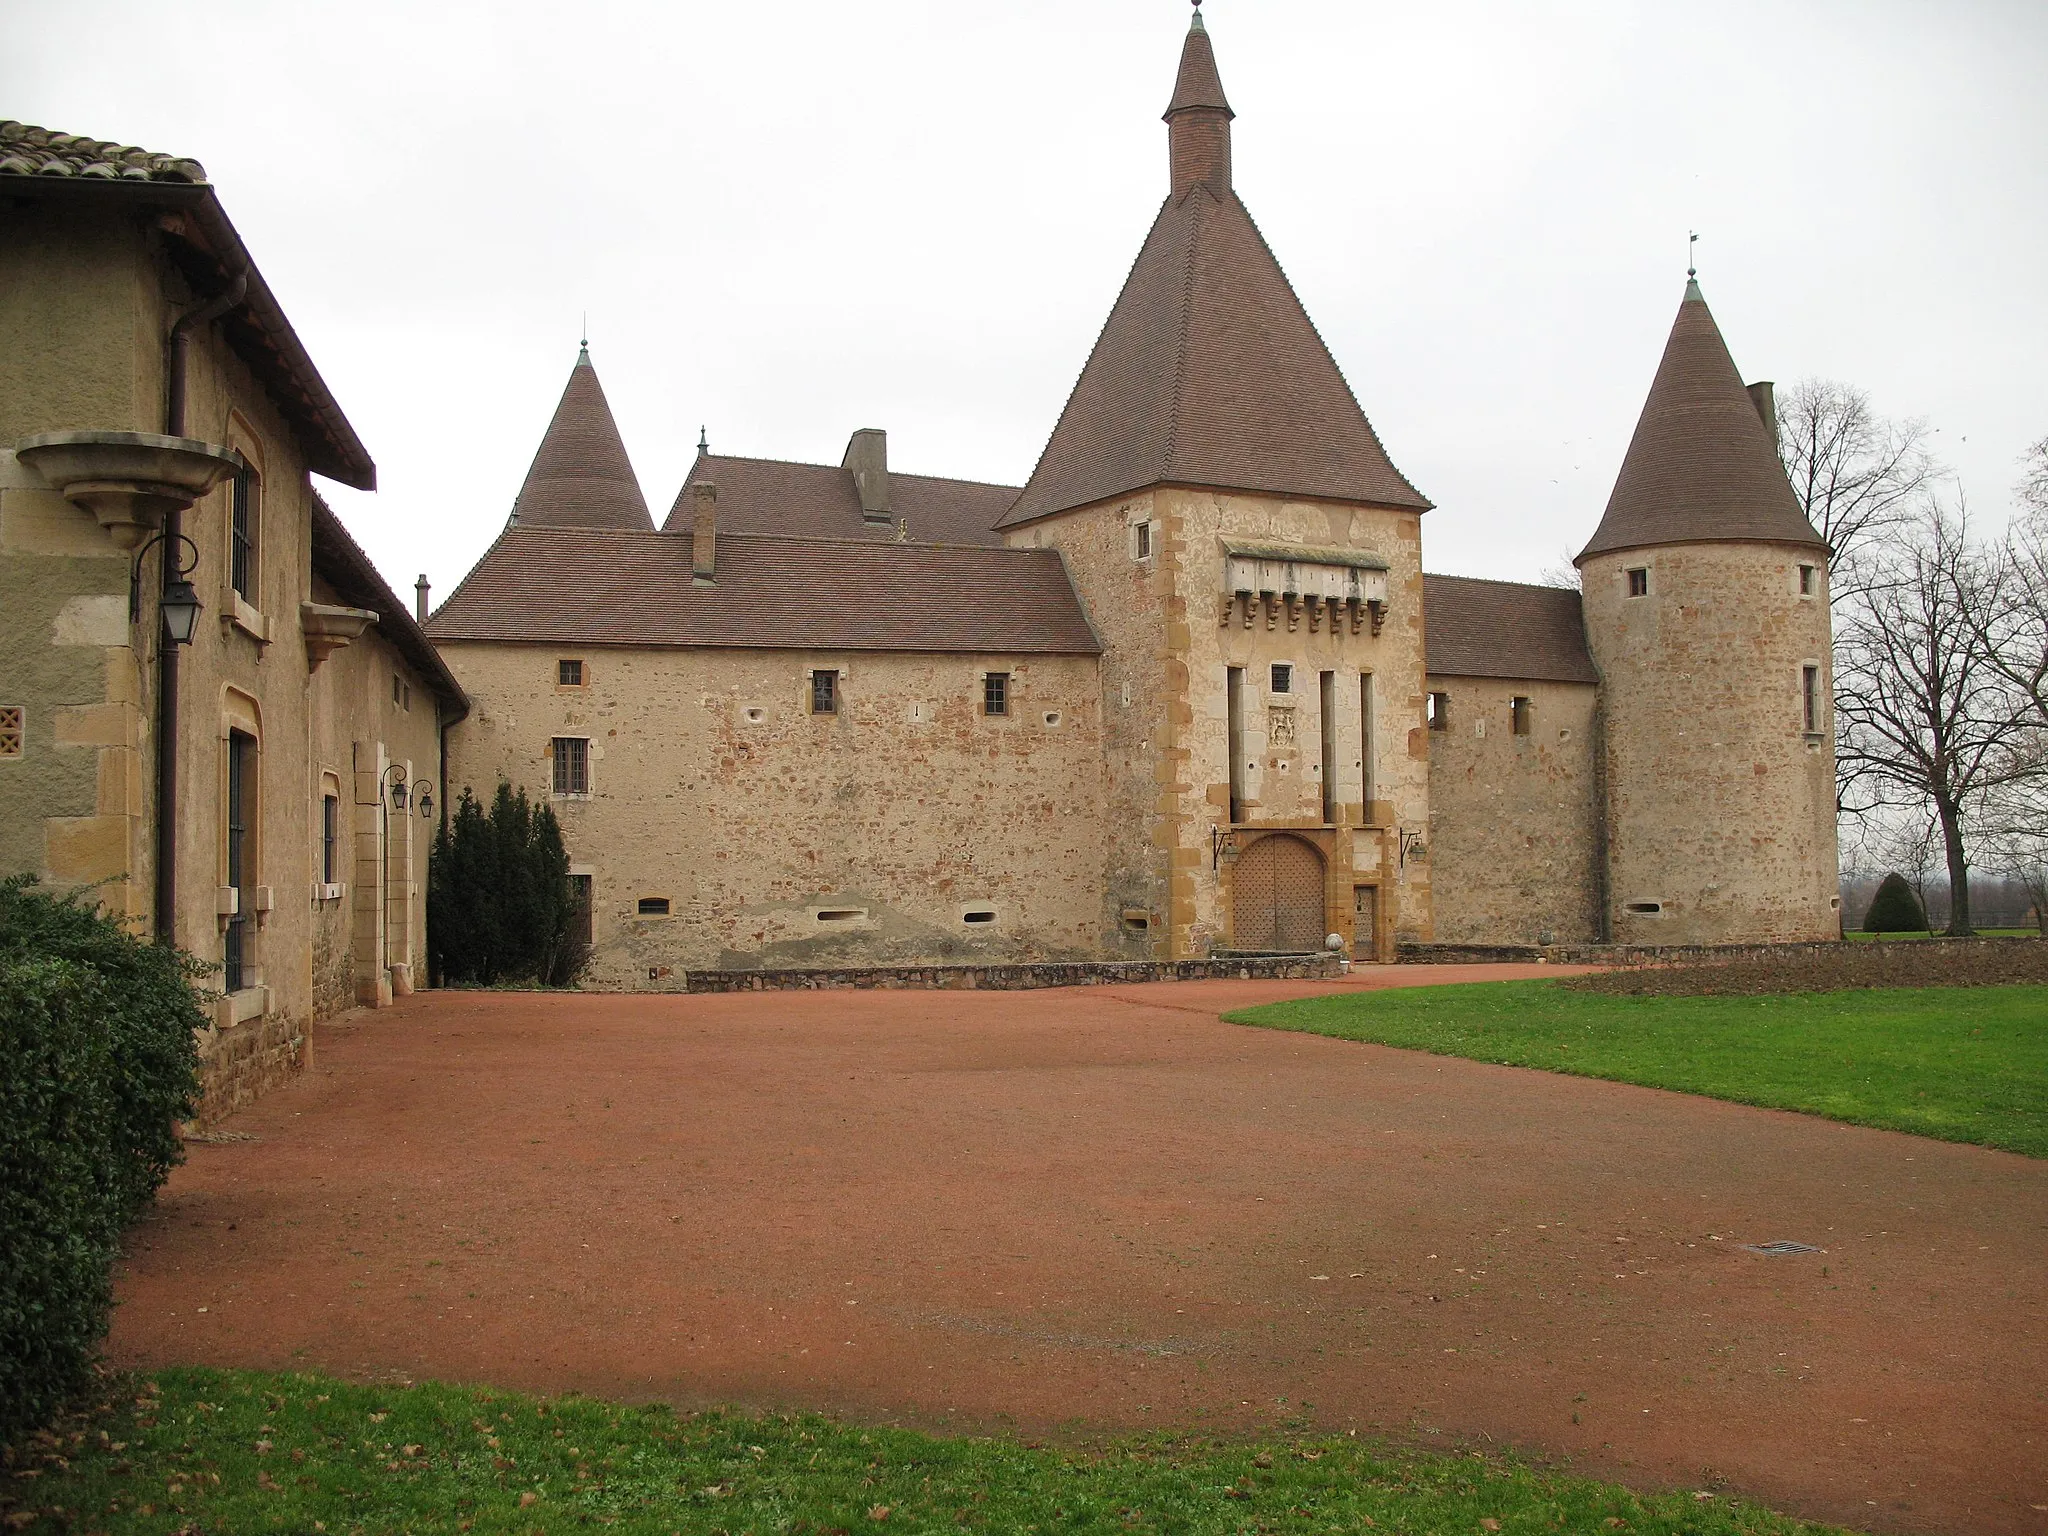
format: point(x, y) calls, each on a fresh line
point(1282, 677)
point(569, 674)
point(1326, 698)
point(824, 693)
point(572, 765)
point(1809, 580)
point(1233, 689)
point(1639, 582)
point(995, 693)
point(330, 837)
point(1809, 697)
point(246, 500)
point(978, 915)
point(1439, 711)
point(1365, 744)
point(1523, 715)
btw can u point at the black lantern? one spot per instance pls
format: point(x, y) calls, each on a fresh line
point(426, 802)
point(180, 605)
point(398, 792)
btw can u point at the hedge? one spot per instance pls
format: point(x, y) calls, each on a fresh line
point(97, 1063)
point(1895, 909)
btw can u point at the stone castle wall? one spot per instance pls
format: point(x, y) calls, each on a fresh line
point(1720, 804)
point(781, 838)
point(1514, 819)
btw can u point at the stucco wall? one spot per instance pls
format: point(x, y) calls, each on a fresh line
point(713, 787)
point(1721, 808)
point(1514, 820)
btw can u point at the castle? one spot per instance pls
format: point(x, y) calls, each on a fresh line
point(1186, 691)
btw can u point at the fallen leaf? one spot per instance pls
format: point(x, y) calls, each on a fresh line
point(1489, 1524)
point(410, 1450)
point(1263, 1459)
point(264, 1481)
point(528, 1499)
point(262, 1447)
point(879, 1512)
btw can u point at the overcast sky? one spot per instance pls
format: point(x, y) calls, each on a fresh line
point(788, 221)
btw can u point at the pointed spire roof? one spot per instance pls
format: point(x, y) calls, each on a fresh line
point(1209, 371)
point(581, 477)
point(1702, 466)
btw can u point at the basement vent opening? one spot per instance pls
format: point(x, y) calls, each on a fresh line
point(654, 906)
point(1782, 1246)
point(1646, 909)
point(842, 914)
point(1052, 717)
point(978, 915)
point(756, 715)
point(1137, 919)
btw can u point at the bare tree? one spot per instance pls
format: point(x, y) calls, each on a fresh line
point(2013, 634)
point(1858, 475)
point(1926, 720)
point(2033, 487)
point(1564, 574)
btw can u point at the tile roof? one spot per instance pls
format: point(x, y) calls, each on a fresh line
point(1474, 628)
point(339, 560)
point(1208, 371)
point(581, 477)
point(26, 150)
point(612, 587)
point(1701, 465)
point(819, 501)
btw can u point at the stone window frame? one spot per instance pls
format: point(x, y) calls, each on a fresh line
point(653, 909)
point(1637, 578)
point(329, 836)
point(1812, 580)
point(582, 666)
point(242, 714)
point(998, 693)
point(556, 767)
point(1813, 700)
point(1521, 715)
point(1274, 670)
point(242, 606)
point(834, 693)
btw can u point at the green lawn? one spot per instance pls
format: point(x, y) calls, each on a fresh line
point(1959, 1063)
point(225, 1452)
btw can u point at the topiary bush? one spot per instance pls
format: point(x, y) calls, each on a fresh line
point(500, 904)
point(1895, 909)
point(97, 1064)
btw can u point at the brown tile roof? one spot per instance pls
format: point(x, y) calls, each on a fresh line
point(1208, 371)
point(341, 563)
point(609, 587)
point(1474, 628)
point(1701, 465)
point(1198, 83)
point(54, 167)
point(819, 501)
point(26, 150)
point(581, 477)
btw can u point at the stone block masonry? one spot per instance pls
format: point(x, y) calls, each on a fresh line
point(1017, 978)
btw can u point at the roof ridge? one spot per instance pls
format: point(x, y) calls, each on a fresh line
point(894, 474)
point(1495, 581)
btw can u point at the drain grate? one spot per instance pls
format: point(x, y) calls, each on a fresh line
point(1783, 1246)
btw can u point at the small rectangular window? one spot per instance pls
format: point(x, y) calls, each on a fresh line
point(1141, 541)
point(1282, 679)
point(572, 765)
point(1439, 711)
point(246, 503)
point(330, 837)
point(569, 674)
point(1808, 581)
point(13, 726)
point(654, 906)
point(1639, 582)
point(580, 897)
point(995, 693)
point(1809, 692)
point(1522, 713)
point(824, 693)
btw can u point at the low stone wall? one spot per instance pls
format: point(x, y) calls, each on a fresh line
point(1643, 954)
point(240, 1062)
point(1018, 978)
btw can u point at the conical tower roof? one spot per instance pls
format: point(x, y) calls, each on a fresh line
point(1702, 467)
point(581, 477)
point(1209, 371)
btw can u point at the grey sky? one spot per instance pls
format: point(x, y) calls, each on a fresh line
point(788, 221)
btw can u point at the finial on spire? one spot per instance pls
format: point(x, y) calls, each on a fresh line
point(1692, 269)
point(1196, 24)
point(703, 442)
point(583, 355)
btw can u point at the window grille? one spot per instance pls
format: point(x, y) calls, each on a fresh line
point(1809, 690)
point(824, 693)
point(234, 954)
point(654, 906)
point(995, 693)
point(330, 835)
point(242, 543)
point(572, 765)
point(13, 727)
point(1282, 677)
point(569, 674)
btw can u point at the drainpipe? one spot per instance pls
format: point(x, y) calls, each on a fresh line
point(177, 346)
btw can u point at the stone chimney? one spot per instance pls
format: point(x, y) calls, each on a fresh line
point(704, 532)
point(867, 456)
point(1764, 396)
point(1198, 119)
point(420, 607)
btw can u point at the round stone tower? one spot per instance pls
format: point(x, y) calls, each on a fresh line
point(1706, 603)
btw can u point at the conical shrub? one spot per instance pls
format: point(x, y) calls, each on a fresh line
point(1895, 909)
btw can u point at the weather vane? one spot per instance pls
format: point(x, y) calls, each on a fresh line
point(1691, 266)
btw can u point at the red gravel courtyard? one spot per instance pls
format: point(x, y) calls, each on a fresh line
point(1101, 1210)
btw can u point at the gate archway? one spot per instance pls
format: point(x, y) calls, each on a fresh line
point(1276, 897)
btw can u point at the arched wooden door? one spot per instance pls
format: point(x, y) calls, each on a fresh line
point(1276, 897)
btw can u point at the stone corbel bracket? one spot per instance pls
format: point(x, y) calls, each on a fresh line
point(328, 627)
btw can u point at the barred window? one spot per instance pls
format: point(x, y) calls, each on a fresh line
point(1282, 678)
point(569, 674)
point(247, 504)
point(330, 835)
point(13, 718)
point(824, 693)
point(1809, 689)
point(995, 693)
point(572, 765)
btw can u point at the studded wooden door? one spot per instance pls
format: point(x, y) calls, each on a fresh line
point(1276, 900)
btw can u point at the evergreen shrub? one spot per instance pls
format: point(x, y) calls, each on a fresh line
point(98, 1062)
point(500, 905)
point(1895, 909)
